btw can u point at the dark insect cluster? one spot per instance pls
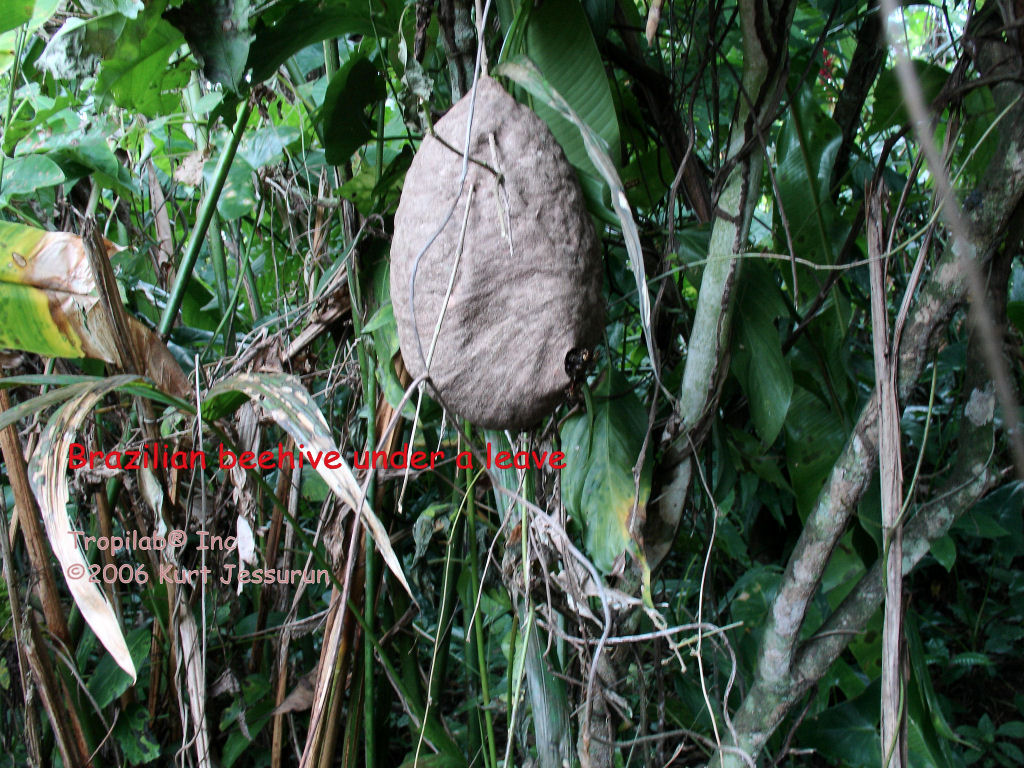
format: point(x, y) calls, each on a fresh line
point(577, 363)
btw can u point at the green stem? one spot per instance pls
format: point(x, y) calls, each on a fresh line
point(255, 305)
point(229, 311)
point(478, 629)
point(297, 80)
point(369, 732)
point(220, 264)
point(15, 72)
point(433, 731)
point(220, 271)
point(206, 211)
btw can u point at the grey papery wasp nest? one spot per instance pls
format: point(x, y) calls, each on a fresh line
point(516, 268)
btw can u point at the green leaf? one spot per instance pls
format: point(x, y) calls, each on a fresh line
point(807, 147)
point(761, 368)
point(601, 449)
point(300, 25)
point(814, 438)
point(134, 737)
point(24, 175)
point(265, 146)
point(217, 31)
point(314, 488)
point(80, 150)
point(344, 124)
point(944, 550)
point(560, 43)
point(138, 74)
point(238, 197)
point(382, 327)
point(890, 110)
point(109, 681)
point(750, 598)
point(62, 390)
point(1015, 312)
point(924, 707)
point(1014, 730)
point(12, 16)
point(128, 8)
point(14, 13)
point(846, 734)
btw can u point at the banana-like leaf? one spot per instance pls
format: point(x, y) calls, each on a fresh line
point(49, 305)
point(47, 474)
point(291, 406)
point(523, 72)
point(601, 448)
point(560, 42)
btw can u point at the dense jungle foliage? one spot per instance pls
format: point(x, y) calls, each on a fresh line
point(789, 530)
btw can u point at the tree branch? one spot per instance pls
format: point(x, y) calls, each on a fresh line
point(780, 677)
point(765, 26)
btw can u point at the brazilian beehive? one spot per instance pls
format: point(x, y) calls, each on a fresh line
point(502, 270)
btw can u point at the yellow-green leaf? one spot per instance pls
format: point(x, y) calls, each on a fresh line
point(49, 305)
point(47, 295)
point(598, 487)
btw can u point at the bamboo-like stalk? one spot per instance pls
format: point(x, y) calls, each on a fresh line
point(369, 381)
point(32, 734)
point(442, 639)
point(476, 646)
point(202, 141)
point(28, 517)
point(206, 212)
point(891, 474)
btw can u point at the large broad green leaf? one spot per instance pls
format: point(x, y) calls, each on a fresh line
point(108, 681)
point(217, 31)
point(12, 16)
point(132, 733)
point(750, 598)
point(890, 110)
point(138, 73)
point(14, 13)
point(127, 8)
point(344, 124)
point(763, 372)
point(598, 488)
point(814, 439)
point(80, 148)
point(238, 197)
point(24, 175)
point(265, 146)
point(848, 733)
point(807, 148)
point(560, 43)
point(302, 24)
